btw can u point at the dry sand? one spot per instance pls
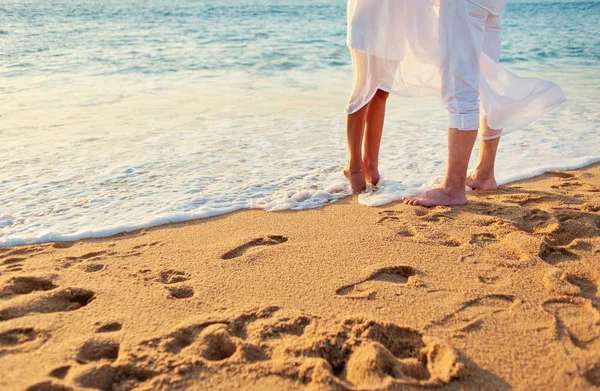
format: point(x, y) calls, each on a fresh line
point(499, 294)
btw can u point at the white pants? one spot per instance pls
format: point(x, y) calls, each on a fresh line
point(466, 31)
point(448, 49)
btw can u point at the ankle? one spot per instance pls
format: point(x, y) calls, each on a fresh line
point(483, 173)
point(370, 166)
point(354, 165)
point(454, 188)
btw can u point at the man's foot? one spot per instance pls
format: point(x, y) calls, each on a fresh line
point(355, 178)
point(475, 181)
point(435, 197)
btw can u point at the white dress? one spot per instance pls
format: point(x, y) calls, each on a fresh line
point(397, 46)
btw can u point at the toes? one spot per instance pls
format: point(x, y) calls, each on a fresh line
point(410, 200)
point(415, 202)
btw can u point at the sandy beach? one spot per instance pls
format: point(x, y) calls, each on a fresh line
point(499, 294)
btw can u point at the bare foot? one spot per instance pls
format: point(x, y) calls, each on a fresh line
point(356, 179)
point(372, 177)
point(475, 182)
point(435, 197)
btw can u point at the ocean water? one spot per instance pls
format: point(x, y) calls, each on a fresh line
point(118, 115)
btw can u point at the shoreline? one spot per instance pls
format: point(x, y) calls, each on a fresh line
point(495, 294)
point(158, 222)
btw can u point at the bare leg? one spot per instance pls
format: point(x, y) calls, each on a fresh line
point(483, 177)
point(355, 127)
point(461, 51)
point(452, 191)
point(372, 138)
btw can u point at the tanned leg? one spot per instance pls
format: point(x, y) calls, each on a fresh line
point(354, 171)
point(372, 137)
point(483, 177)
point(452, 190)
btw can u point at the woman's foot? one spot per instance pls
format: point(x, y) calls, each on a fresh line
point(481, 182)
point(355, 178)
point(436, 197)
point(372, 176)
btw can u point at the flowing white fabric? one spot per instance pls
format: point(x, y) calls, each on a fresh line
point(401, 46)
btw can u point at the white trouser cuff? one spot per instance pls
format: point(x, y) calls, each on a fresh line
point(464, 121)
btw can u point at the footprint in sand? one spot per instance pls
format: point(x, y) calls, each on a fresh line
point(366, 288)
point(146, 245)
point(210, 340)
point(215, 343)
point(59, 372)
point(391, 219)
point(559, 174)
point(395, 221)
point(168, 277)
point(138, 250)
point(180, 292)
point(63, 245)
point(555, 254)
point(7, 253)
point(532, 219)
point(556, 282)
point(346, 353)
point(592, 207)
point(498, 277)
point(587, 287)
point(17, 340)
point(482, 239)
point(581, 245)
point(105, 376)
point(62, 301)
point(567, 225)
point(577, 319)
point(94, 268)
point(17, 267)
point(270, 240)
point(576, 186)
point(285, 326)
point(368, 355)
point(24, 285)
point(48, 385)
point(18, 336)
point(12, 261)
point(87, 256)
point(96, 350)
point(12, 264)
point(302, 350)
point(109, 327)
point(397, 356)
point(91, 256)
point(471, 315)
point(511, 217)
point(434, 215)
point(523, 199)
point(592, 375)
point(419, 224)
